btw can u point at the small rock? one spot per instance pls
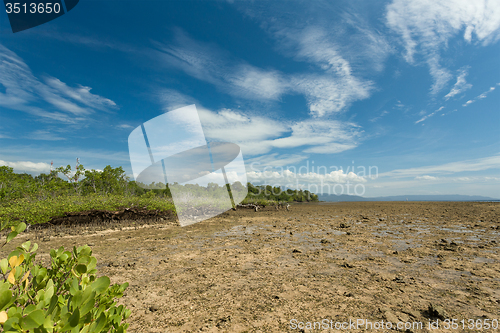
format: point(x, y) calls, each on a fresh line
point(437, 311)
point(389, 316)
point(153, 308)
point(325, 241)
point(296, 251)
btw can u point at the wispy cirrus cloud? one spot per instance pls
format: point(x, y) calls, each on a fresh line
point(426, 26)
point(482, 96)
point(209, 63)
point(329, 89)
point(45, 136)
point(429, 115)
point(258, 135)
point(460, 86)
point(491, 162)
point(51, 100)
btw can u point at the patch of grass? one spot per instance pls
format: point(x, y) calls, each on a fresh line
point(258, 201)
point(41, 211)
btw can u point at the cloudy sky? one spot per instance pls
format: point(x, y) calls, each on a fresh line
point(401, 97)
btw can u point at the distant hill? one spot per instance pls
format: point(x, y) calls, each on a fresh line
point(444, 197)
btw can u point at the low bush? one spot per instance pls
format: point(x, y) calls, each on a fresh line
point(67, 296)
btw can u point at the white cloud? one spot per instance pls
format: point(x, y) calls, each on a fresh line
point(26, 166)
point(259, 135)
point(425, 27)
point(460, 86)
point(24, 92)
point(383, 113)
point(332, 89)
point(45, 136)
point(292, 177)
point(172, 99)
point(426, 177)
point(208, 63)
point(275, 160)
point(485, 94)
point(125, 126)
point(492, 162)
point(81, 94)
point(482, 96)
point(429, 115)
point(250, 81)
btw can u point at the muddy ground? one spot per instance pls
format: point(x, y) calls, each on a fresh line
point(247, 271)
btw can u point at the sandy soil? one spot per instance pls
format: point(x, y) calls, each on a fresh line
point(247, 271)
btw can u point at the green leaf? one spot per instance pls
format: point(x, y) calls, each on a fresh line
point(30, 308)
point(99, 324)
point(53, 304)
point(81, 269)
point(84, 260)
point(5, 298)
point(64, 257)
point(34, 319)
point(89, 305)
point(74, 286)
point(11, 236)
point(48, 323)
point(9, 323)
point(100, 284)
point(76, 300)
point(21, 227)
point(26, 245)
point(75, 318)
point(49, 290)
point(4, 265)
point(34, 248)
point(92, 264)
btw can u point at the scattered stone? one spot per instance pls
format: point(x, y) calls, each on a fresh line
point(437, 311)
point(296, 251)
point(389, 316)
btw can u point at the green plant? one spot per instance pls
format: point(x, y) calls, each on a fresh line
point(65, 297)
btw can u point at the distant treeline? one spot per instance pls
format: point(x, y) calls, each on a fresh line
point(113, 181)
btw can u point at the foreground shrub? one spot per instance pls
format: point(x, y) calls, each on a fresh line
point(65, 297)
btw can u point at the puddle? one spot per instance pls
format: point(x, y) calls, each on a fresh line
point(402, 245)
point(459, 229)
point(482, 260)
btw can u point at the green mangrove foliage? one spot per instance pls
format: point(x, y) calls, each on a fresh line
point(24, 198)
point(65, 297)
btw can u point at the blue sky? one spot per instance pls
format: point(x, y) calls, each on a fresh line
point(397, 97)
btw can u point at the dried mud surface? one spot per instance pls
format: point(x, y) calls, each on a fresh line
point(246, 271)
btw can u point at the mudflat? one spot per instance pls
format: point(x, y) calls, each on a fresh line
point(290, 271)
